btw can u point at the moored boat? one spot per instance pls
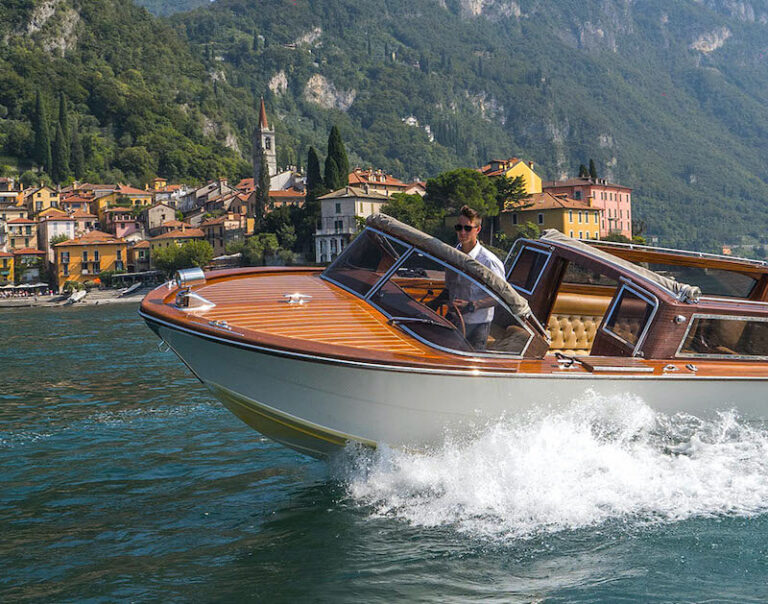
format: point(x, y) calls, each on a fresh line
point(375, 348)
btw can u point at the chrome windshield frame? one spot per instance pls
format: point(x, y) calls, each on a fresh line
point(702, 355)
point(400, 261)
point(644, 295)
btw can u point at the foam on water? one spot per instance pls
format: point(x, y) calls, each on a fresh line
point(601, 460)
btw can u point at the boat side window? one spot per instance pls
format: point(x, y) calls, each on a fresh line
point(712, 281)
point(527, 268)
point(725, 336)
point(579, 274)
point(449, 310)
point(629, 316)
point(365, 261)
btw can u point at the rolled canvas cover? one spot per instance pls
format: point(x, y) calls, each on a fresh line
point(454, 257)
point(683, 291)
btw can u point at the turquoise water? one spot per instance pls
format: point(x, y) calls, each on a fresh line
point(122, 479)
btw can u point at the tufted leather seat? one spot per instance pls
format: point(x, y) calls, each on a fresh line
point(573, 323)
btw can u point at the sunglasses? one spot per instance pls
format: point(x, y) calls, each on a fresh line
point(466, 227)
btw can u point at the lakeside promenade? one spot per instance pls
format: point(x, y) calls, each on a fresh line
point(94, 298)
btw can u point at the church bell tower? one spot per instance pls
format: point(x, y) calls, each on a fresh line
point(264, 139)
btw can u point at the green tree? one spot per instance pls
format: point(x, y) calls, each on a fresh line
point(409, 209)
point(60, 238)
point(76, 154)
point(583, 171)
point(617, 238)
point(314, 178)
point(592, 169)
point(60, 171)
point(447, 192)
point(42, 151)
point(262, 191)
point(196, 254)
point(64, 123)
point(511, 193)
point(336, 162)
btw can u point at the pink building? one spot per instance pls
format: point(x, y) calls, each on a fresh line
point(614, 200)
point(120, 222)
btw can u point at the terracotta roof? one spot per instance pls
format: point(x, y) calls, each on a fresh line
point(5, 254)
point(21, 221)
point(141, 244)
point(549, 201)
point(287, 193)
point(76, 199)
point(126, 190)
point(263, 116)
point(582, 182)
point(28, 251)
point(92, 238)
point(83, 214)
point(176, 224)
point(372, 177)
point(56, 217)
point(186, 234)
point(246, 183)
point(113, 210)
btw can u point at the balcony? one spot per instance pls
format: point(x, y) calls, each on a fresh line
point(337, 225)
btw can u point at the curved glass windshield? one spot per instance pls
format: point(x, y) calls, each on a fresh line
point(449, 310)
point(365, 261)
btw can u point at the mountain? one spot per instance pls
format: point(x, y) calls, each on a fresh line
point(168, 7)
point(666, 95)
point(139, 103)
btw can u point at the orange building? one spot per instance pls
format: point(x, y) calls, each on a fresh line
point(82, 259)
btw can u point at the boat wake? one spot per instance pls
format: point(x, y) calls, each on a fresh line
point(600, 460)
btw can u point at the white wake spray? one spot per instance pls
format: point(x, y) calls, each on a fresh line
point(600, 460)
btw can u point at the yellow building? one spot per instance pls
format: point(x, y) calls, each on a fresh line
point(101, 203)
point(512, 168)
point(137, 197)
point(178, 237)
point(6, 268)
point(83, 258)
point(40, 199)
point(573, 217)
point(21, 233)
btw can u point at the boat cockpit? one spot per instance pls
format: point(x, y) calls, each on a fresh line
point(560, 296)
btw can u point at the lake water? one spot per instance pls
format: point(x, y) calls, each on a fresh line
point(122, 479)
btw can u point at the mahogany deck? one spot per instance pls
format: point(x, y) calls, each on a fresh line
point(336, 324)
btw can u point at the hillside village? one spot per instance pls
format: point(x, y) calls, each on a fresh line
point(86, 235)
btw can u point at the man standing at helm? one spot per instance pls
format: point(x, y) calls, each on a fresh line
point(474, 304)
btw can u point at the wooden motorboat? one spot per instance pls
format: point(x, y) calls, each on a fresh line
point(374, 348)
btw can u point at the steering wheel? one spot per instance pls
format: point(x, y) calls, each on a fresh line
point(447, 307)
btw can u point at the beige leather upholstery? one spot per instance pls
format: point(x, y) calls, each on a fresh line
point(574, 321)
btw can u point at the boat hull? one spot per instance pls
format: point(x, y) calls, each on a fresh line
point(318, 405)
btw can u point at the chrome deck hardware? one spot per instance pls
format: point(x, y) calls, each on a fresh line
point(297, 298)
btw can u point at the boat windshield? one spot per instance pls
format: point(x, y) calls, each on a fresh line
point(365, 261)
point(447, 309)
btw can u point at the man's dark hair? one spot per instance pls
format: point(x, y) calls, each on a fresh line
point(473, 215)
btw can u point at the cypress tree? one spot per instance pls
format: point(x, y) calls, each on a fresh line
point(337, 156)
point(592, 169)
point(314, 178)
point(64, 123)
point(583, 171)
point(60, 156)
point(77, 155)
point(42, 135)
point(63, 115)
point(262, 192)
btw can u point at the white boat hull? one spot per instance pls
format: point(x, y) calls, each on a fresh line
point(318, 405)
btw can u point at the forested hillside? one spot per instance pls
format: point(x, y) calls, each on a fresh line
point(136, 100)
point(168, 7)
point(667, 96)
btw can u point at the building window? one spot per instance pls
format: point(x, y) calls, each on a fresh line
point(26, 242)
point(85, 256)
point(595, 217)
point(581, 235)
point(570, 215)
point(579, 216)
point(96, 256)
point(577, 194)
point(65, 270)
point(514, 218)
point(119, 254)
point(541, 218)
point(338, 208)
point(570, 234)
